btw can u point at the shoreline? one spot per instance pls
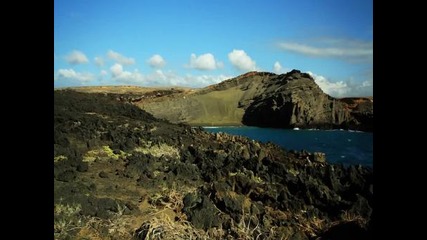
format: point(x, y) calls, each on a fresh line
point(294, 129)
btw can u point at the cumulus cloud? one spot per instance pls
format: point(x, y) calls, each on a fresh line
point(335, 89)
point(204, 80)
point(241, 60)
point(120, 58)
point(120, 75)
point(99, 61)
point(349, 50)
point(156, 61)
point(364, 89)
point(116, 70)
point(204, 62)
point(350, 88)
point(76, 57)
point(169, 78)
point(278, 69)
point(163, 78)
point(70, 74)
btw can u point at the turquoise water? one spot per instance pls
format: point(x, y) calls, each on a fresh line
point(347, 147)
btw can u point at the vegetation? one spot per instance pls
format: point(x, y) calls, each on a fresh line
point(119, 173)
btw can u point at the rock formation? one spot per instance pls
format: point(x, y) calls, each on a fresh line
point(267, 100)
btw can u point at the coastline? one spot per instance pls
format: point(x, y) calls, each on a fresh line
point(120, 168)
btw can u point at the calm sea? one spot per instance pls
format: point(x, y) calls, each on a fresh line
point(347, 147)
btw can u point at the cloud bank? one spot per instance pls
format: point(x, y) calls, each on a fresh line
point(70, 74)
point(163, 78)
point(344, 88)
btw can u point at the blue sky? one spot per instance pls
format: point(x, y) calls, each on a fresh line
point(197, 43)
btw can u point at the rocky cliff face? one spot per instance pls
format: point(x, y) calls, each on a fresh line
point(267, 100)
point(295, 100)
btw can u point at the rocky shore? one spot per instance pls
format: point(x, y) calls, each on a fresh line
point(120, 173)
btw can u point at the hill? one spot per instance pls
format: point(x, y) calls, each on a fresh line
point(257, 99)
point(120, 173)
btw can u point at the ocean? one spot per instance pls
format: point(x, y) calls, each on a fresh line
point(340, 146)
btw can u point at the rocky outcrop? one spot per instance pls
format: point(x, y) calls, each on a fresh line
point(267, 100)
point(295, 100)
point(362, 110)
point(120, 173)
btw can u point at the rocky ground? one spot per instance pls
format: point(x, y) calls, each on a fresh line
point(119, 173)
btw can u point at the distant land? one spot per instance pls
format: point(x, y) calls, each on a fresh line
point(261, 99)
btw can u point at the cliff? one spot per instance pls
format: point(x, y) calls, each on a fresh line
point(264, 99)
point(295, 100)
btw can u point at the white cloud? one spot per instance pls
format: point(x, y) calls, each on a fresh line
point(349, 50)
point(120, 75)
point(70, 74)
point(349, 88)
point(99, 61)
point(335, 89)
point(120, 58)
point(365, 88)
point(168, 78)
point(366, 84)
point(205, 80)
point(156, 61)
point(278, 69)
point(204, 62)
point(116, 70)
point(76, 57)
point(241, 60)
point(103, 73)
point(162, 78)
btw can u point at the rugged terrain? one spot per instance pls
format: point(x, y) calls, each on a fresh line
point(257, 99)
point(120, 173)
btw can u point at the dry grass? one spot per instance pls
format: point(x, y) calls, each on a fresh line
point(165, 228)
point(314, 226)
point(103, 153)
point(167, 221)
point(66, 220)
point(311, 226)
point(69, 224)
point(347, 216)
point(163, 218)
point(247, 229)
point(59, 158)
point(158, 150)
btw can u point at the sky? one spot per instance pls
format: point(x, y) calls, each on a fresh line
point(195, 43)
